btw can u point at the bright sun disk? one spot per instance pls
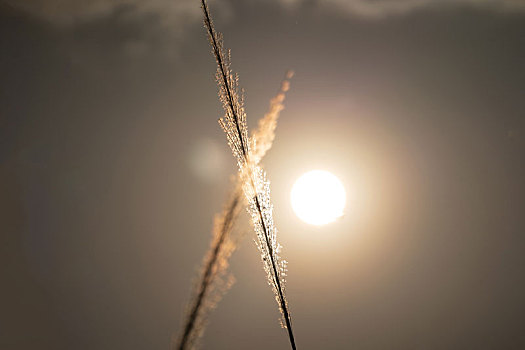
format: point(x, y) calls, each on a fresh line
point(318, 197)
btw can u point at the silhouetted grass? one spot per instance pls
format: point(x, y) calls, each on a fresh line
point(256, 187)
point(213, 281)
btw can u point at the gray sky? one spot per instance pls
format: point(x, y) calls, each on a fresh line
point(112, 165)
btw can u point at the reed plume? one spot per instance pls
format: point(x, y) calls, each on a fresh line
point(214, 280)
point(255, 185)
point(265, 134)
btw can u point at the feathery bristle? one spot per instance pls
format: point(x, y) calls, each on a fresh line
point(256, 187)
point(214, 280)
point(262, 139)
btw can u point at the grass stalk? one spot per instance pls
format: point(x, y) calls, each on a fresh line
point(215, 264)
point(256, 187)
point(222, 245)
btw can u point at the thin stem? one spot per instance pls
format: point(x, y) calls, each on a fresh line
point(276, 277)
point(220, 62)
point(208, 271)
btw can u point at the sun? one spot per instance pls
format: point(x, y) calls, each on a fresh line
point(318, 197)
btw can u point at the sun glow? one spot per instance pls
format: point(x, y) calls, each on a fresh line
point(318, 197)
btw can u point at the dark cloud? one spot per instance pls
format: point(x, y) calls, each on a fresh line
point(176, 13)
point(382, 8)
point(77, 11)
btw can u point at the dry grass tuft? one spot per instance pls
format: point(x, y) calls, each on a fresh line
point(214, 279)
point(255, 185)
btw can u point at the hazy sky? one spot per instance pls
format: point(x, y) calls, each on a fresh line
point(112, 165)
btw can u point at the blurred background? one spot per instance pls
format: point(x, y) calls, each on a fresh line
point(112, 166)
